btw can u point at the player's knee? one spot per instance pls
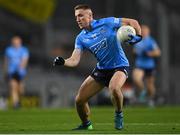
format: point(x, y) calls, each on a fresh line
point(138, 81)
point(115, 91)
point(137, 78)
point(151, 87)
point(79, 100)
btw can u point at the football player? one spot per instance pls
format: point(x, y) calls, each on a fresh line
point(99, 38)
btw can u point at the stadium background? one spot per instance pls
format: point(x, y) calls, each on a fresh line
point(48, 29)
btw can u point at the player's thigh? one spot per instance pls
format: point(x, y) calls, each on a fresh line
point(117, 80)
point(88, 89)
point(138, 74)
point(13, 83)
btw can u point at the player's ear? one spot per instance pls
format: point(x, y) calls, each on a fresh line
point(90, 14)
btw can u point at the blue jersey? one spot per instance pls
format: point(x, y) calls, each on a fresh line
point(14, 58)
point(101, 41)
point(143, 61)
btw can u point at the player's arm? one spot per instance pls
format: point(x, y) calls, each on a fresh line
point(25, 59)
point(71, 61)
point(132, 22)
point(74, 59)
point(154, 53)
point(24, 62)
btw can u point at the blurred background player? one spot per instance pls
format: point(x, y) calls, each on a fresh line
point(99, 37)
point(15, 63)
point(145, 51)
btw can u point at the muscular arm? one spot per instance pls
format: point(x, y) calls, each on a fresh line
point(74, 59)
point(133, 23)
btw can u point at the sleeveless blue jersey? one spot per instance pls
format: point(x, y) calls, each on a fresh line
point(101, 41)
point(142, 60)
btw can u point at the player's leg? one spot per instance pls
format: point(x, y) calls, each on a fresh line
point(14, 92)
point(88, 89)
point(21, 87)
point(138, 75)
point(115, 86)
point(20, 90)
point(150, 83)
point(20, 78)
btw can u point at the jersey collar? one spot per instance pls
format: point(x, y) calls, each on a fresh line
point(92, 25)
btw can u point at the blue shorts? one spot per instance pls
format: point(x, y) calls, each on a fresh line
point(104, 76)
point(18, 77)
point(148, 71)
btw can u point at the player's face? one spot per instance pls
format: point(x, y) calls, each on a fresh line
point(145, 30)
point(83, 18)
point(16, 42)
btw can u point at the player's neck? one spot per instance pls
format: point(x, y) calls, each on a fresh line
point(89, 27)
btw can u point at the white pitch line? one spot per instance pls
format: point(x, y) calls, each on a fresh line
point(136, 124)
point(142, 124)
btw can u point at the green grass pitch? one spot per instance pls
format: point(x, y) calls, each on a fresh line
point(139, 120)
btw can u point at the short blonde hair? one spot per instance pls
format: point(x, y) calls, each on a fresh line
point(82, 6)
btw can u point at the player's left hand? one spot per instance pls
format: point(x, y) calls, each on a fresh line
point(134, 39)
point(58, 61)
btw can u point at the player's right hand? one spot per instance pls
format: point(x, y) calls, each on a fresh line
point(134, 39)
point(58, 61)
